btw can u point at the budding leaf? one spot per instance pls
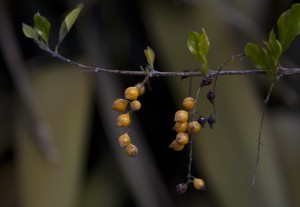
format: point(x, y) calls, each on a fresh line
point(29, 32)
point(150, 56)
point(289, 26)
point(198, 44)
point(41, 27)
point(267, 58)
point(68, 22)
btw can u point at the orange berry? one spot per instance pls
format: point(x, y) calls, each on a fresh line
point(123, 120)
point(135, 105)
point(199, 184)
point(131, 93)
point(132, 150)
point(124, 140)
point(188, 103)
point(180, 127)
point(141, 88)
point(176, 146)
point(119, 104)
point(182, 138)
point(194, 127)
point(181, 116)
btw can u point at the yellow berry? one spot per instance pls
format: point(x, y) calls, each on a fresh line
point(124, 140)
point(182, 138)
point(181, 116)
point(176, 146)
point(131, 93)
point(180, 126)
point(141, 88)
point(199, 184)
point(123, 120)
point(194, 127)
point(132, 150)
point(119, 104)
point(188, 103)
point(135, 105)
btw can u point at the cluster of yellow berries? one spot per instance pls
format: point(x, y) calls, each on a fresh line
point(121, 105)
point(197, 183)
point(182, 125)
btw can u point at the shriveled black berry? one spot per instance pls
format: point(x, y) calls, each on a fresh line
point(202, 120)
point(211, 97)
point(206, 81)
point(181, 188)
point(211, 120)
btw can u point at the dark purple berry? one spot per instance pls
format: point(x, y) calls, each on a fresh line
point(202, 120)
point(181, 188)
point(211, 120)
point(206, 81)
point(211, 97)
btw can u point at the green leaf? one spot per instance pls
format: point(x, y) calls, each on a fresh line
point(198, 44)
point(41, 27)
point(204, 43)
point(274, 47)
point(68, 22)
point(149, 56)
point(289, 26)
point(257, 55)
point(29, 32)
point(267, 58)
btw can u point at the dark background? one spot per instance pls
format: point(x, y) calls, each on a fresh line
point(92, 169)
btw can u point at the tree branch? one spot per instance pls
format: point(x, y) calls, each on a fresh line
point(155, 73)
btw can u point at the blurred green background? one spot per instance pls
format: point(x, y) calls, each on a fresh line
point(82, 165)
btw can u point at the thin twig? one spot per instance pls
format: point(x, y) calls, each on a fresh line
point(190, 85)
point(191, 136)
point(190, 161)
point(196, 101)
point(232, 58)
point(259, 142)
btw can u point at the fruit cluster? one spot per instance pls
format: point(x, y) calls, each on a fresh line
point(131, 95)
point(197, 183)
point(188, 122)
point(183, 127)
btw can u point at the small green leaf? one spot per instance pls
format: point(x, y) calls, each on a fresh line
point(192, 43)
point(198, 44)
point(289, 26)
point(274, 47)
point(29, 32)
point(149, 56)
point(267, 58)
point(42, 27)
point(68, 22)
point(257, 55)
point(204, 43)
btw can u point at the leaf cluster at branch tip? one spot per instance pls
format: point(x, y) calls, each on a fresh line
point(268, 58)
point(198, 45)
point(41, 29)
